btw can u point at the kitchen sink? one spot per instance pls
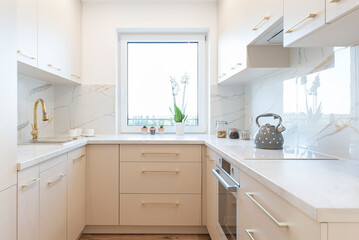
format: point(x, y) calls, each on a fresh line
point(48, 140)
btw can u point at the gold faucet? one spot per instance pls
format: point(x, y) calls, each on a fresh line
point(34, 131)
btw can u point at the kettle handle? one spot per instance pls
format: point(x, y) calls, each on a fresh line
point(276, 116)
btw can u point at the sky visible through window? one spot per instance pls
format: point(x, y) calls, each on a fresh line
point(149, 67)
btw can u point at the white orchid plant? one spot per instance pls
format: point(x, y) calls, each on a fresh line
point(179, 114)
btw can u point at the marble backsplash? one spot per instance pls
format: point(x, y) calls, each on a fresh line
point(29, 90)
point(85, 106)
point(318, 99)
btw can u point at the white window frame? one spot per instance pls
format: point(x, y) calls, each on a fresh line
point(202, 76)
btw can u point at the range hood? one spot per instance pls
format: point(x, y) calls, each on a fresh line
point(272, 37)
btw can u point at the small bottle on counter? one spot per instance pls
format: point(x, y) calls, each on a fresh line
point(246, 134)
point(233, 133)
point(221, 129)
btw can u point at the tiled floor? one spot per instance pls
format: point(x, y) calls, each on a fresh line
point(145, 237)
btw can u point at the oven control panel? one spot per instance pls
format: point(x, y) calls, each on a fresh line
point(228, 167)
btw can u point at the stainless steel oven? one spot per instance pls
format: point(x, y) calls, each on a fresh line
point(227, 190)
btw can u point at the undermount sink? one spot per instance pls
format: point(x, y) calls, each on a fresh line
point(54, 140)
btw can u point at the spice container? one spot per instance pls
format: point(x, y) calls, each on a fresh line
point(246, 134)
point(233, 133)
point(221, 129)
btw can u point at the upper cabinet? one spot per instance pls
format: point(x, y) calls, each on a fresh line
point(238, 62)
point(338, 8)
point(27, 31)
point(320, 23)
point(262, 16)
point(49, 40)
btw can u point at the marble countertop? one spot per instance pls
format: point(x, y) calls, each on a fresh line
point(326, 190)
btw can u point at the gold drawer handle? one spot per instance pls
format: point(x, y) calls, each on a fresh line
point(311, 15)
point(334, 1)
point(222, 75)
point(79, 158)
point(258, 26)
point(250, 233)
point(177, 203)
point(160, 153)
point(76, 76)
point(25, 54)
point(56, 179)
point(160, 171)
point(279, 224)
point(32, 183)
point(52, 66)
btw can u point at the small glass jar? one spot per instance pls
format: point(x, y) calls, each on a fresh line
point(246, 134)
point(221, 129)
point(233, 133)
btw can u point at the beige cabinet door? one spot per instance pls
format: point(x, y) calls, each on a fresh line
point(262, 16)
point(53, 203)
point(8, 213)
point(232, 47)
point(211, 196)
point(302, 18)
point(52, 36)
point(102, 175)
point(28, 204)
point(27, 32)
point(337, 8)
point(76, 212)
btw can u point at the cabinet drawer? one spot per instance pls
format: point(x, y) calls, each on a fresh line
point(160, 209)
point(28, 203)
point(139, 177)
point(77, 154)
point(249, 227)
point(299, 225)
point(160, 153)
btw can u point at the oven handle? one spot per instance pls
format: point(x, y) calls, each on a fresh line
point(228, 187)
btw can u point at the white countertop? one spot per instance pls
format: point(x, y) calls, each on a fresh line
point(326, 190)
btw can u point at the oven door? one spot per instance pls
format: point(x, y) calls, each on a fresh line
point(227, 189)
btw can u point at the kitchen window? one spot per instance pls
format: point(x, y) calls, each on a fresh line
point(155, 71)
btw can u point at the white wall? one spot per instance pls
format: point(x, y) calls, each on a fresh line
point(101, 21)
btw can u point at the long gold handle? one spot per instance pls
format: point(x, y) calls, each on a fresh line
point(76, 76)
point(258, 26)
point(160, 153)
point(279, 224)
point(334, 1)
point(222, 75)
point(311, 15)
point(160, 171)
point(32, 182)
point(177, 203)
point(75, 159)
point(25, 54)
point(56, 179)
point(52, 66)
point(250, 233)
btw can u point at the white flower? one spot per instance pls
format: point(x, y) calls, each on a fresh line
point(185, 79)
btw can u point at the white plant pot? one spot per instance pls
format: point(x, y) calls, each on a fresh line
point(180, 128)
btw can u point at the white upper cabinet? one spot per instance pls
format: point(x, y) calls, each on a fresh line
point(302, 18)
point(52, 37)
point(262, 16)
point(49, 39)
point(338, 8)
point(232, 55)
point(27, 31)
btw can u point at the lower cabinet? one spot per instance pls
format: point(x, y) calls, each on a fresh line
point(53, 201)
point(8, 214)
point(102, 190)
point(76, 206)
point(211, 196)
point(29, 204)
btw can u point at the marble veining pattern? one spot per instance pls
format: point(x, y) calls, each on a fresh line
point(317, 98)
point(85, 106)
point(29, 90)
